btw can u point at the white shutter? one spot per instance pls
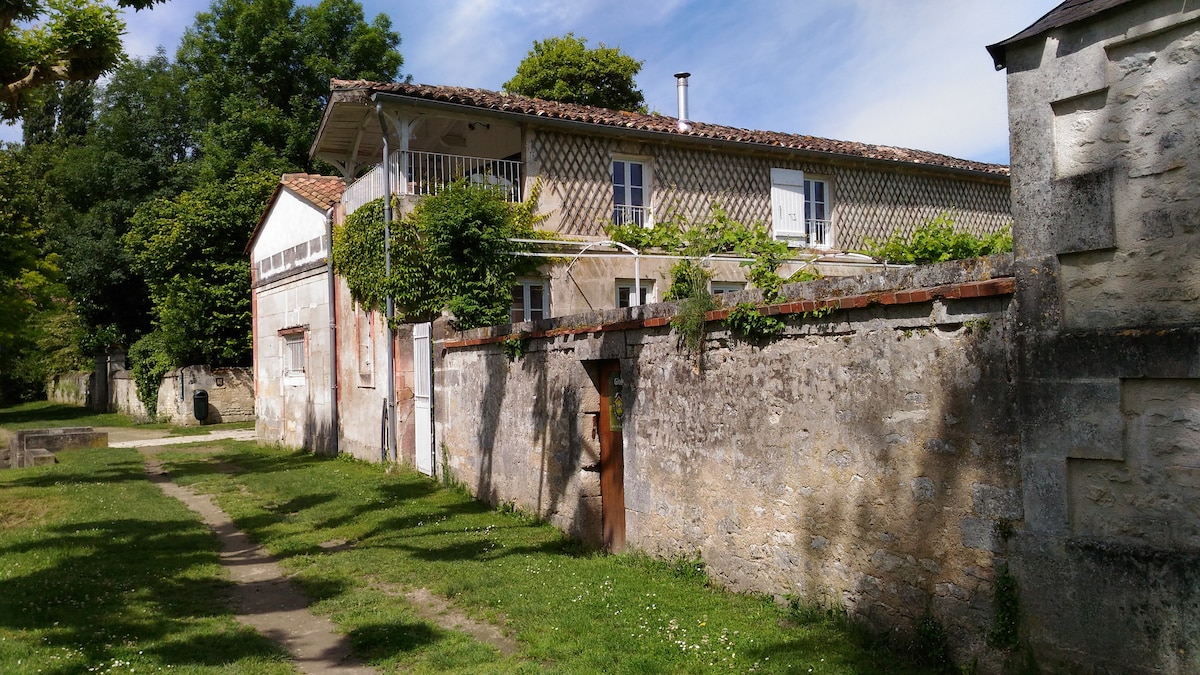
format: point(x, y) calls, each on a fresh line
point(787, 203)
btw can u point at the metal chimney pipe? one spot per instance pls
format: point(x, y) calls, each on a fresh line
point(681, 80)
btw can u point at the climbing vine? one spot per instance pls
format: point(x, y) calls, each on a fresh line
point(938, 241)
point(689, 277)
point(453, 252)
point(747, 322)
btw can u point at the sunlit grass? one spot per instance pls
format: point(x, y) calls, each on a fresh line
point(101, 572)
point(348, 530)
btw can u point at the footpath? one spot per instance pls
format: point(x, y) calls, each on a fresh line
point(262, 597)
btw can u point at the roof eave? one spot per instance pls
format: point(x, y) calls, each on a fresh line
point(667, 137)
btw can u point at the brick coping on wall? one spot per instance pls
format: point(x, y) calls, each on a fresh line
point(956, 291)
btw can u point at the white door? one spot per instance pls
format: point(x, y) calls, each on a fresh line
point(423, 397)
point(787, 204)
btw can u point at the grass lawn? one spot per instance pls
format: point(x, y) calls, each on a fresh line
point(101, 572)
point(571, 610)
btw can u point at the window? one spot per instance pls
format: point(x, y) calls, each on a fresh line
point(293, 356)
point(800, 208)
point(719, 287)
point(530, 301)
point(816, 212)
point(629, 192)
point(625, 292)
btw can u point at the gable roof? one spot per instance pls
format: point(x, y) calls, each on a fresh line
point(524, 108)
point(322, 192)
point(1067, 13)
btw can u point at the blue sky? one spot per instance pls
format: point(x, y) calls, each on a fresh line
point(906, 73)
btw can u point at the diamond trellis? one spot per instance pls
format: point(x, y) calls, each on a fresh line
point(865, 202)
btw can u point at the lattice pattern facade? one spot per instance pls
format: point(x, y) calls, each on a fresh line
point(865, 202)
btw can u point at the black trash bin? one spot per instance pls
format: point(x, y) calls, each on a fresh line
point(200, 405)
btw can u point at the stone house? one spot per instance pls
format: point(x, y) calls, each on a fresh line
point(292, 324)
point(598, 166)
point(1104, 113)
point(594, 166)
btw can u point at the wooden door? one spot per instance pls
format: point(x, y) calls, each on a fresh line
point(612, 460)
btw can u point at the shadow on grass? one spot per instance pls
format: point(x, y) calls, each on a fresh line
point(45, 414)
point(96, 585)
point(67, 474)
point(391, 639)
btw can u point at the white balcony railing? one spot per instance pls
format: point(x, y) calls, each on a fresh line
point(818, 233)
point(427, 173)
point(632, 215)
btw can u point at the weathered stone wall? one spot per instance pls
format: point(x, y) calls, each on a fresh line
point(866, 460)
point(70, 388)
point(294, 409)
point(867, 201)
point(230, 395)
point(1106, 181)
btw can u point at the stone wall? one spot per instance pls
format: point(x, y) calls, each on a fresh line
point(230, 392)
point(230, 395)
point(865, 460)
point(1104, 146)
point(70, 388)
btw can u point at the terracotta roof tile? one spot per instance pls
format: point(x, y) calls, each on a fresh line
point(322, 191)
point(572, 112)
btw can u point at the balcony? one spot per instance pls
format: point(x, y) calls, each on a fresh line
point(427, 173)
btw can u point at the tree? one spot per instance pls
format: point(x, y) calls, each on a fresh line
point(564, 69)
point(257, 72)
point(73, 40)
point(34, 318)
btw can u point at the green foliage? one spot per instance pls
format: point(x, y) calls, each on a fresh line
point(1005, 633)
point(454, 252)
point(258, 71)
point(45, 42)
point(819, 313)
point(748, 323)
point(190, 252)
point(36, 327)
point(689, 284)
point(149, 360)
point(665, 236)
point(357, 254)
point(937, 241)
point(513, 347)
point(564, 69)
point(930, 645)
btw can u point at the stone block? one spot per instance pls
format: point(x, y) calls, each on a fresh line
point(39, 457)
point(979, 533)
point(995, 502)
point(1074, 418)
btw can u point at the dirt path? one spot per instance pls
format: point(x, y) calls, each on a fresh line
point(263, 598)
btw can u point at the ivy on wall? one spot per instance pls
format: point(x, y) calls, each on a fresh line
point(453, 252)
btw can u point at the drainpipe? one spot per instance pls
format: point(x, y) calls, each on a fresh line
point(333, 345)
point(389, 449)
